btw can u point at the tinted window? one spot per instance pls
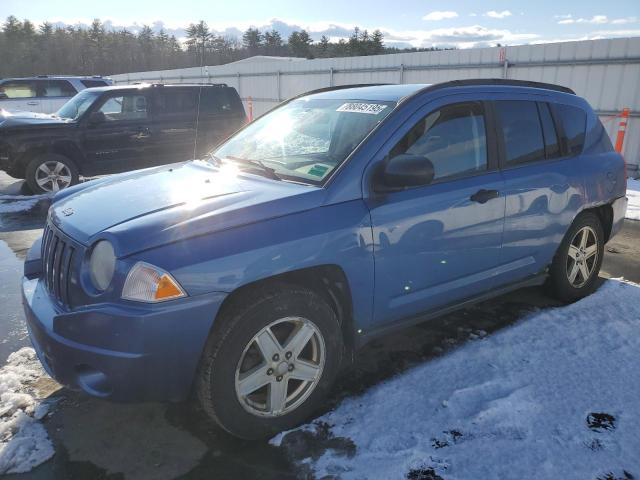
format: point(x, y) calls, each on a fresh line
point(551, 145)
point(93, 83)
point(521, 131)
point(574, 123)
point(18, 89)
point(125, 107)
point(57, 88)
point(219, 100)
point(453, 138)
point(178, 101)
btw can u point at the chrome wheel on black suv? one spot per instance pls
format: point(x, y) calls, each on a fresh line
point(575, 268)
point(270, 360)
point(50, 173)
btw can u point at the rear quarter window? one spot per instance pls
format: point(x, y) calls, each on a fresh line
point(574, 124)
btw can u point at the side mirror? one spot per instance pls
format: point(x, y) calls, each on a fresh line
point(96, 118)
point(407, 170)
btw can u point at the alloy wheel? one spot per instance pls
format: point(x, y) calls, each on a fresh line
point(53, 176)
point(582, 257)
point(280, 367)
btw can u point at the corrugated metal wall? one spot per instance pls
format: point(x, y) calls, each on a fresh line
point(605, 72)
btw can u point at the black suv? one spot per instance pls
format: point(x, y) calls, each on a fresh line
point(115, 129)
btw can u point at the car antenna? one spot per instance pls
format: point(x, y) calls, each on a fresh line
point(195, 140)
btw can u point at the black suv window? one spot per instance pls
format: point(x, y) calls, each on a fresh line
point(131, 106)
point(93, 83)
point(178, 101)
point(574, 123)
point(521, 131)
point(453, 138)
point(57, 88)
point(219, 100)
point(19, 89)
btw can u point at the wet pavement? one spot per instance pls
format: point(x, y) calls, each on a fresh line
point(102, 440)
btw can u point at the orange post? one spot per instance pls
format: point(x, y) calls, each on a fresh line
point(622, 128)
point(250, 108)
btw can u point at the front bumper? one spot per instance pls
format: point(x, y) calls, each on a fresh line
point(121, 352)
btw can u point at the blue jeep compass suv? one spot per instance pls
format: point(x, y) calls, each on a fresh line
point(345, 213)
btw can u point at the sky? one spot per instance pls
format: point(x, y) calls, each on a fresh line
point(458, 23)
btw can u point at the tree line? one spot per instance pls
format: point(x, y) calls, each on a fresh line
point(27, 49)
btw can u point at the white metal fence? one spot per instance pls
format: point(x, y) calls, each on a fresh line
point(605, 72)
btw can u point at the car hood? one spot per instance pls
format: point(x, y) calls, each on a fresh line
point(22, 119)
point(149, 208)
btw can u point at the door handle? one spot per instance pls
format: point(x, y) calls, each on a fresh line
point(483, 196)
point(33, 103)
point(143, 132)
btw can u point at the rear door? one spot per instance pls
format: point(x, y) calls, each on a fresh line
point(543, 181)
point(440, 243)
point(20, 96)
point(122, 140)
point(221, 114)
point(54, 94)
point(174, 124)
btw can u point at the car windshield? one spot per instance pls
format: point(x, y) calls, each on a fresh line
point(306, 139)
point(75, 107)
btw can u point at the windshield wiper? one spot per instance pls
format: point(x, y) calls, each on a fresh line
point(256, 164)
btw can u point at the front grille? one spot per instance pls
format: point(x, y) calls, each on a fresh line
point(57, 259)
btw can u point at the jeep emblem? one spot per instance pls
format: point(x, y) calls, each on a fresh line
point(67, 211)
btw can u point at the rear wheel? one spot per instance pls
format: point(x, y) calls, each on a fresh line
point(271, 363)
point(575, 268)
point(50, 173)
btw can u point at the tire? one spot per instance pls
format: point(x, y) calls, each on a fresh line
point(563, 266)
point(233, 348)
point(65, 171)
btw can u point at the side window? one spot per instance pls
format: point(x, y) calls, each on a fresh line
point(521, 131)
point(125, 107)
point(178, 101)
point(18, 89)
point(218, 100)
point(58, 88)
point(551, 145)
point(574, 123)
point(93, 83)
point(453, 138)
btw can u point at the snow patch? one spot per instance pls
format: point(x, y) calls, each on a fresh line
point(17, 205)
point(553, 396)
point(633, 194)
point(24, 443)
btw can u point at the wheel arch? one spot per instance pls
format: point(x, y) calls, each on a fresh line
point(66, 148)
point(330, 281)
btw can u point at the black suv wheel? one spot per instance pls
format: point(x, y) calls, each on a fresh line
point(50, 172)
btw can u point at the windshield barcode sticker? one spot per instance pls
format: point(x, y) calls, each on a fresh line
point(370, 108)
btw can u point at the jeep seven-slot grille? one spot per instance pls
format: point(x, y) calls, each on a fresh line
point(57, 257)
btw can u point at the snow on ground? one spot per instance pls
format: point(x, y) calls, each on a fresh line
point(17, 205)
point(556, 396)
point(24, 442)
point(633, 194)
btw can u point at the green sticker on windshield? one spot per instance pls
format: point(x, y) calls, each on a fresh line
point(318, 170)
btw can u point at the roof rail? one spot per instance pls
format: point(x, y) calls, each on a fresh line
point(500, 81)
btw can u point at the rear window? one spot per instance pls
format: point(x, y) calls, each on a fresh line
point(574, 123)
point(178, 101)
point(220, 100)
point(522, 131)
point(93, 83)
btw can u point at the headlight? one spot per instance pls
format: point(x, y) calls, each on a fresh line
point(146, 283)
point(102, 264)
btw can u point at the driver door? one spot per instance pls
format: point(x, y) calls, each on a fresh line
point(118, 134)
point(438, 244)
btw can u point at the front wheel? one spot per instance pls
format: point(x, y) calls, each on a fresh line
point(50, 172)
point(575, 268)
point(271, 362)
